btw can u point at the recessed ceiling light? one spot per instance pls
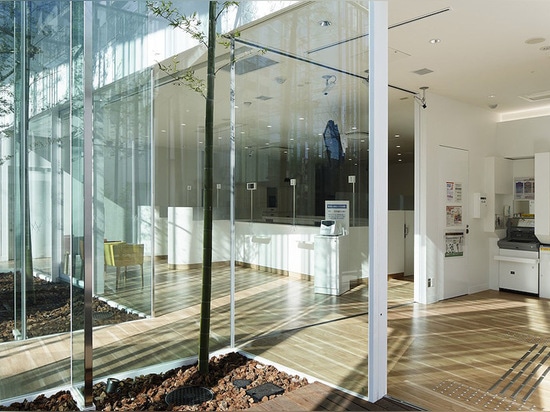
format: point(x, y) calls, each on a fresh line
point(535, 40)
point(183, 124)
point(398, 146)
point(301, 118)
point(435, 41)
point(163, 131)
point(398, 154)
point(399, 160)
point(269, 126)
point(396, 136)
point(324, 23)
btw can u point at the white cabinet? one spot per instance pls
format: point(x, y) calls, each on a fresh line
point(499, 190)
point(544, 291)
point(332, 272)
point(519, 270)
point(542, 195)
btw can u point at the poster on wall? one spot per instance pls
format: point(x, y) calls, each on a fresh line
point(454, 215)
point(524, 188)
point(454, 244)
point(454, 192)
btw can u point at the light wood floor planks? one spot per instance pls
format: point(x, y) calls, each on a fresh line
point(443, 356)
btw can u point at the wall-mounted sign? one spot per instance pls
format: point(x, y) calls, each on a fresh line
point(454, 244)
point(454, 192)
point(453, 215)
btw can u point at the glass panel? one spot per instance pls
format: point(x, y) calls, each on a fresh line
point(122, 162)
point(74, 242)
point(302, 156)
point(179, 202)
point(34, 93)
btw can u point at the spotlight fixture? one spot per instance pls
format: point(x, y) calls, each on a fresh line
point(330, 81)
point(422, 100)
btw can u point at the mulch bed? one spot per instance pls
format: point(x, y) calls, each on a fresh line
point(148, 392)
point(230, 376)
point(49, 309)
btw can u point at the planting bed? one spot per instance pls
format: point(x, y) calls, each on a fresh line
point(225, 379)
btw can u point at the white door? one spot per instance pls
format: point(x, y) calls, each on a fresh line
point(396, 246)
point(408, 229)
point(453, 218)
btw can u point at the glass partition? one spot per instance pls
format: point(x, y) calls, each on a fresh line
point(302, 158)
point(35, 168)
point(301, 143)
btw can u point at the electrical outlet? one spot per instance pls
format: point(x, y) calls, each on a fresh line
point(430, 282)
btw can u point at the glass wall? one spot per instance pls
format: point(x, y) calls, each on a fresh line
point(302, 148)
point(298, 130)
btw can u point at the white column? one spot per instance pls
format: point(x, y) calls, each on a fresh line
point(378, 199)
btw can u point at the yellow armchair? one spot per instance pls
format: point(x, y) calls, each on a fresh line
point(119, 254)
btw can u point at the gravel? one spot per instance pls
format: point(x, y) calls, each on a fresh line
point(227, 375)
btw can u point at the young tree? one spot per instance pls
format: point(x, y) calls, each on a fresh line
point(191, 24)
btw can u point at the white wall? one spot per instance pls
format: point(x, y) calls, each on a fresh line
point(449, 123)
point(185, 238)
point(523, 138)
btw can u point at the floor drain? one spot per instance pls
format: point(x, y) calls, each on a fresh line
point(189, 395)
point(267, 389)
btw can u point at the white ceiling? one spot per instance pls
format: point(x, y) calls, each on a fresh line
point(486, 48)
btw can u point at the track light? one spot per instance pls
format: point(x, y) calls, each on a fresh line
point(422, 100)
point(330, 81)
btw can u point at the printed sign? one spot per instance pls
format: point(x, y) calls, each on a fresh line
point(338, 210)
point(454, 244)
point(454, 215)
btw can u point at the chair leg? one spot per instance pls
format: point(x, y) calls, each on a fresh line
point(141, 274)
point(117, 275)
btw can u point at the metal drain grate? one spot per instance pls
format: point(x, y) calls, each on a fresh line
point(189, 395)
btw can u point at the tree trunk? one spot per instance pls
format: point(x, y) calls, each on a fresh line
point(204, 337)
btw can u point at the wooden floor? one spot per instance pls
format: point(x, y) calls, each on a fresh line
point(320, 397)
point(488, 350)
